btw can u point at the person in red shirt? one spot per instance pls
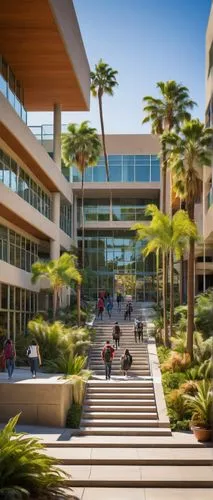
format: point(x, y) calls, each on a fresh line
point(107, 356)
point(10, 355)
point(100, 307)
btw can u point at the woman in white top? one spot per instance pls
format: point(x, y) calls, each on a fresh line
point(34, 357)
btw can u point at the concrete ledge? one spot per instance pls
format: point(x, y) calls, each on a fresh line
point(157, 383)
point(40, 402)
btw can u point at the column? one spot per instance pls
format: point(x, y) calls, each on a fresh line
point(57, 135)
point(55, 244)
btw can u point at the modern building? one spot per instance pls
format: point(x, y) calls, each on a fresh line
point(206, 265)
point(111, 209)
point(43, 67)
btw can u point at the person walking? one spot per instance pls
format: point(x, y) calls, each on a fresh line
point(128, 311)
point(119, 301)
point(100, 307)
point(138, 331)
point(116, 333)
point(10, 356)
point(109, 306)
point(107, 357)
point(33, 354)
point(126, 362)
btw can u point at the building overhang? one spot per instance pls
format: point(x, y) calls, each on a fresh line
point(41, 41)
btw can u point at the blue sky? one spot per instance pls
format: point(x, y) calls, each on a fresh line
point(145, 41)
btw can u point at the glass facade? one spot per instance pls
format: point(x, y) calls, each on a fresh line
point(123, 168)
point(131, 209)
point(16, 249)
point(11, 89)
point(116, 253)
point(15, 178)
point(17, 307)
point(66, 218)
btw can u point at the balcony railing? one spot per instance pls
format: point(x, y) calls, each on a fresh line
point(13, 99)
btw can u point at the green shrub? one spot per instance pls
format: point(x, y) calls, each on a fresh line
point(74, 416)
point(163, 353)
point(25, 471)
point(172, 381)
point(180, 425)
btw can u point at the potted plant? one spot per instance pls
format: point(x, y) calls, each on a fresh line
point(201, 405)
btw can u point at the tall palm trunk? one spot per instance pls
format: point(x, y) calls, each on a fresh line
point(55, 302)
point(166, 336)
point(171, 264)
point(157, 277)
point(79, 303)
point(82, 217)
point(190, 287)
point(181, 280)
point(103, 133)
point(164, 257)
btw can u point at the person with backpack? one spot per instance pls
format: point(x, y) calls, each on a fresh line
point(100, 307)
point(107, 356)
point(138, 331)
point(10, 356)
point(128, 311)
point(126, 362)
point(116, 333)
point(33, 354)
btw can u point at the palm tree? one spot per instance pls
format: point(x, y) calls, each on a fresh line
point(60, 272)
point(81, 147)
point(103, 81)
point(167, 113)
point(166, 234)
point(189, 152)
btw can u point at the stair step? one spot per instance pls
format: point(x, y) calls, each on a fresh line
point(89, 414)
point(121, 397)
point(153, 476)
point(133, 456)
point(110, 388)
point(116, 422)
point(126, 409)
point(122, 402)
point(125, 431)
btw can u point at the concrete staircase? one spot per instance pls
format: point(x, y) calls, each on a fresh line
point(119, 406)
point(123, 451)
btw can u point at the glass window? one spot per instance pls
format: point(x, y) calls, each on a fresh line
point(3, 296)
point(155, 169)
point(88, 174)
point(115, 173)
point(128, 169)
point(99, 173)
point(142, 168)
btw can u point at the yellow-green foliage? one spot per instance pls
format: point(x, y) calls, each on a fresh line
point(176, 362)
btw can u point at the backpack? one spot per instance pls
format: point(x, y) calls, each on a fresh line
point(107, 355)
point(126, 362)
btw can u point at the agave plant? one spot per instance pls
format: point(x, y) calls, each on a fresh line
point(25, 471)
point(201, 405)
point(67, 364)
